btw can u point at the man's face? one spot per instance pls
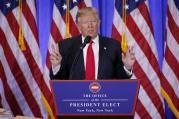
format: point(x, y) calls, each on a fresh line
point(88, 25)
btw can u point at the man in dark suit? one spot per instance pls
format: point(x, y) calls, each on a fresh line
point(109, 61)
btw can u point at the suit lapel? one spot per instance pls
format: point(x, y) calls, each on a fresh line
point(101, 64)
point(79, 68)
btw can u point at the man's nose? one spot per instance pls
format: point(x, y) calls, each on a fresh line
point(90, 24)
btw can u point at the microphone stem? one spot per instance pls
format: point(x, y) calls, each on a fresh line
point(74, 62)
point(87, 40)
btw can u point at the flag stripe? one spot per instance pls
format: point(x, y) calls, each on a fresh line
point(148, 87)
point(139, 31)
point(26, 92)
point(58, 20)
point(172, 45)
point(28, 54)
point(73, 28)
point(143, 34)
point(55, 32)
point(141, 110)
point(14, 87)
point(172, 83)
point(115, 33)
point(84, 4)
point(9, 95)
point(146, 105)
point(148, 53)
point(169, 90)
point(35, 64)
point(145, 13)
point(170, 80)
point(173, 27)
point(37, 74)
point(142, 75)
point(4, 102)
point(171, 60)
point(172, 5)
point(136, 116)
point(143, 96)
point(31, 41)
point(141, 41)
point(32, 8)
point(75, 10)
point(19, 76)
point(31, 20)
point(26, 66)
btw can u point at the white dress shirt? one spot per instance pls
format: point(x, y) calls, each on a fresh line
point(95, 47)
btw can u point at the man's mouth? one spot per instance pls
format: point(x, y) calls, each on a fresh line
point(90, 31)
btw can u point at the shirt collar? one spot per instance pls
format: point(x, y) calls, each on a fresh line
point(95, 40)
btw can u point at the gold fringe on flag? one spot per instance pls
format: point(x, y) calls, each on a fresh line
point(21, 36)
point(170, 103)
point(124, 38)
point(68, 19)
point(48, 108)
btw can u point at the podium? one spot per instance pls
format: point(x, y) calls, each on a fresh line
point(105, 99)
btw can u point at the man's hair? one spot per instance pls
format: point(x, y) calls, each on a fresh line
point(85, 11)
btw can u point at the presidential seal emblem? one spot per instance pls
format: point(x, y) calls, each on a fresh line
point(94, 87)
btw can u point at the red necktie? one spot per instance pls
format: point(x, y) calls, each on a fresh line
point(90, 63)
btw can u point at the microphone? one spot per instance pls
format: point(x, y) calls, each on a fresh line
point(86, 41)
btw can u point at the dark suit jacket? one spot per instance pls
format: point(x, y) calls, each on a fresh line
point(110, 60)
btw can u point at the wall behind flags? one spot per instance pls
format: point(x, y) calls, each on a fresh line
point(105, 8)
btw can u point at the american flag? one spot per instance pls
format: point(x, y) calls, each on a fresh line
point(170, 82)
point(139, 33)
point(58, 26)
point(21, 72)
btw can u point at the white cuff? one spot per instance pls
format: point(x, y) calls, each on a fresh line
point(129, 73)
point(56, 69)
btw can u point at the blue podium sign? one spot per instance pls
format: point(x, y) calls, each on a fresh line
point(107, 97)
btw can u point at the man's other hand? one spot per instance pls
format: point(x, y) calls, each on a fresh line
point(55, 56)
point(128, 58)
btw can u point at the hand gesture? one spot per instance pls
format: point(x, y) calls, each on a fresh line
point(55, 56)
point(128, 58)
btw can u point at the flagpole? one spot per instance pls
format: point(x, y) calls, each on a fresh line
point(21, 36)
point(68, 19)
point(124, 39)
